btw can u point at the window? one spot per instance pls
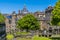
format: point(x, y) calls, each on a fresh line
point(44, 16)
point(9, 21)
point(40, 15)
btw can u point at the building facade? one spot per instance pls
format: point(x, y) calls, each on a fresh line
point(42, 17)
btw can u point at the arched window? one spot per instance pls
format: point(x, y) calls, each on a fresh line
point(9, 21)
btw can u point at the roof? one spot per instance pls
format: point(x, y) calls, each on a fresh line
point(9, 16)
point(41, 13)
point(50, 8)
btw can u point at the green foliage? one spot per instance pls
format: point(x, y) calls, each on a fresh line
point(28, 22)
point(9, 36)
point(1, 18)
point(56, 14)
point(40, 38)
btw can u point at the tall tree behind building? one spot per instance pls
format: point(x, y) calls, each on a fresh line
point(2, 18)
point(56, 14)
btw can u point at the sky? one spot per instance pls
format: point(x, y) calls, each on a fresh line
point(8, 6)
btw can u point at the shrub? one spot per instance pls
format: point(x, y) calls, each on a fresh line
point(9, 36)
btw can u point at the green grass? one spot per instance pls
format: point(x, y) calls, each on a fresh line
point(22, 33)
point(34, 38)
point(40, 38)
point(23, 38)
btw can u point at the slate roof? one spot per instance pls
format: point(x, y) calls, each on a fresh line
point(9, 17)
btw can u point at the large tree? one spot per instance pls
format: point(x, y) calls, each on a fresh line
point(56, 14)
point(2, 18)
point(28, 22)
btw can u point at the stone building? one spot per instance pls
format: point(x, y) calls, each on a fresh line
point(8, 23)
point(48, 13)
point(42, 17)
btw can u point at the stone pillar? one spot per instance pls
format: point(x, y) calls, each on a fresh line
point(41, 25)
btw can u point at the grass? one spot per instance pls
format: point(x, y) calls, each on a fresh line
point(34, 38)
point(40, 38)
point(23, 38)
point(22, 33)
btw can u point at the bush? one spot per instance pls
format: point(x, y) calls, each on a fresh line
point(9, 36)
